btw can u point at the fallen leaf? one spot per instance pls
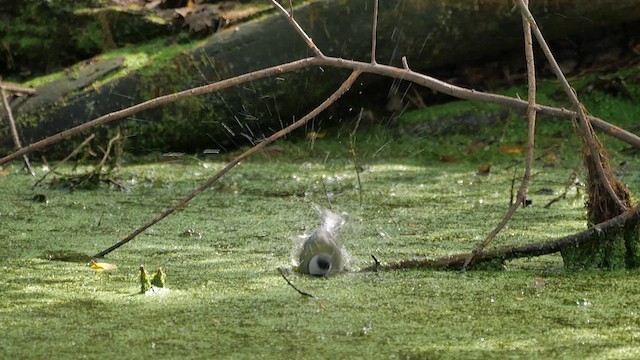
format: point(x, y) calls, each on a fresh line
point(273, 150)
point(100, 266)
point(475, 146)
point(551, 158)
point(447, 159)
point(316, 135)
point(4, 172)
point(484, 169)
point(505, 149)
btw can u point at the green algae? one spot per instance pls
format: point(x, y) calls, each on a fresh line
point(228, 300)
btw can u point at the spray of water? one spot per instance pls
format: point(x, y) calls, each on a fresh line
point(321, 253)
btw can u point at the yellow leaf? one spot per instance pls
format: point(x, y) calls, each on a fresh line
point(512, 149)
point(316, 135)
point(102, 266)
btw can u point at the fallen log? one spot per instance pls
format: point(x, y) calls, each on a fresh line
point(430, 34)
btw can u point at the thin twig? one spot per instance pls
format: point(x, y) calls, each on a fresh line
point(374, 32)
point(303, 293)
point(585, 126)
point(299, 29)
point(531, 117)
point(352, 146)
point(14, 129)
point(106, 153)
point(325, 104)
point(73, 153)
point(16, 88)
point(376, 263)
point(570, 182)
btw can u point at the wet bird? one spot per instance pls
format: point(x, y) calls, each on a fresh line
point(322, 253)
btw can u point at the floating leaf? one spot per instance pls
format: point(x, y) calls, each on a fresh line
point(447, 159)
point(506, 149)
point(316, 135)
point(484, 169)
point(551, 158)
point(100, 266)
point(475, 146)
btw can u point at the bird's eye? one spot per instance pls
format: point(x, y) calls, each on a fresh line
point(320, 265)
point(324, 264)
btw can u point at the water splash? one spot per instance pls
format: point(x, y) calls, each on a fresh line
point(321, 253)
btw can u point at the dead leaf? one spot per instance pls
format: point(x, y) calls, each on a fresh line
point(506, 149)
point(4, 172)
point(316, 135)
point(447, 159)
point(484, 169)
point(100, 266)
point(551, 158)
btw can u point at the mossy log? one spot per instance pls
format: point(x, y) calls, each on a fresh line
point(431, 34)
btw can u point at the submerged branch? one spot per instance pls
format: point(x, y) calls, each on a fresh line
point(456, 261)
point(301, 292)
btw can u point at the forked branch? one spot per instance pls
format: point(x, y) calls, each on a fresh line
point(531, 117)
point(325, 104)
point(378, 69)
point(584, 124)
point(307, 39)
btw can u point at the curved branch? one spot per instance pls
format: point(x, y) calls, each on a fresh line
point(378, 69)
point(325, 104)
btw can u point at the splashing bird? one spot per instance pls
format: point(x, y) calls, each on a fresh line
point(322, 254)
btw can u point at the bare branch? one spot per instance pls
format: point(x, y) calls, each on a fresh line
point(374, 32)
point(298, 28)
point(17, 89)
point(325, 104)
point(531, 116)
point(72, 154)
point(379, 69)
point(585, 125)
point(504, 253)
point(162, 100)
point(303, 293)
point(14, 129)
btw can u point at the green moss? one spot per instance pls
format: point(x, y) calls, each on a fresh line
point(227, 298)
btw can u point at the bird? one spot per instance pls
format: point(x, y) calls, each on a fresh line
point(322, 253)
